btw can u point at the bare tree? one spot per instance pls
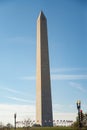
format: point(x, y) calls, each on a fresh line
point(85, 120)
point(27, 124)
point(2, 127)
point(9, 125)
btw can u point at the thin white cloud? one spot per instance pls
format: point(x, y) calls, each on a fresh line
point(68, 77)
point(59, 77)
point(11, 90)
point(14, 91)
point(77, 86)
point(19, 99)
point(55, 70)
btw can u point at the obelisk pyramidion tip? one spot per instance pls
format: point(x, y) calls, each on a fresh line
point(41, 15)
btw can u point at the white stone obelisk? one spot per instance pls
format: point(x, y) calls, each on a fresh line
point(44, 115)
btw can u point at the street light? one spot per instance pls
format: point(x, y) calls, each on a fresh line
point(79, 107)
point(15, 121)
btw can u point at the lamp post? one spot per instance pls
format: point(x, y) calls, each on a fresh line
point(79, 107)
point(15, 121)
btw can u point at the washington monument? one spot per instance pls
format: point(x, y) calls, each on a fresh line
point(44, 115)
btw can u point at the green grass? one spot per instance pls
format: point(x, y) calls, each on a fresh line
point(49, 128)
point(45, 128)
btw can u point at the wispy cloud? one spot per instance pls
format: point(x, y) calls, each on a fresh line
point(11, 90)
point(55, 70)
point(68, 77)
point(59, 77)
point(77, 86)
point(19, 99)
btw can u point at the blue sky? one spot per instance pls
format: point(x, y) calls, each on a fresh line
point(67, 36)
